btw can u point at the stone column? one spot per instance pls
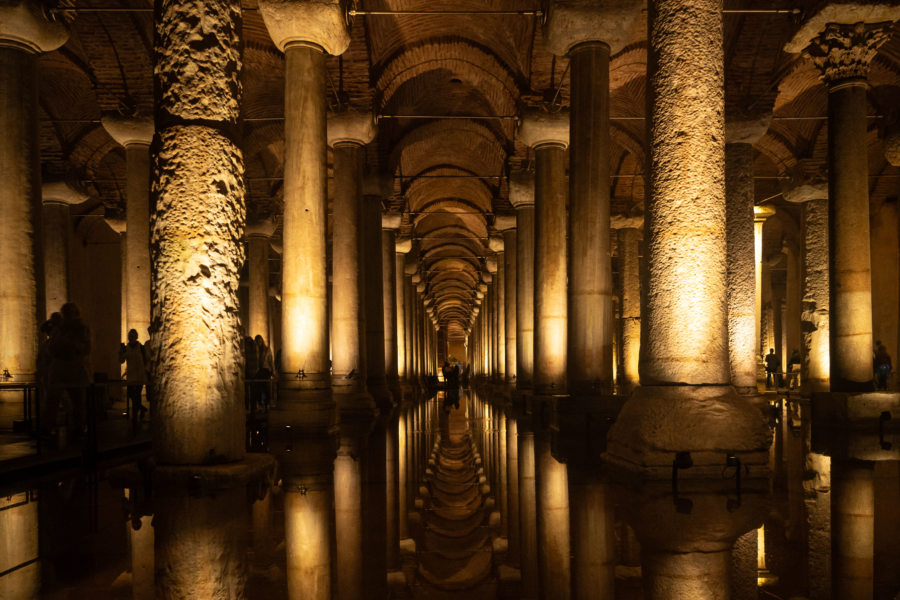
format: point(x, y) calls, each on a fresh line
point(258, 235)
point(814, 317)
point(497, 244)
point(305, 31)
point(684, 369)
point(762, 284)
point(402, 246)
point(521, 196)
point(135, 135)
point(507, 225)
point(24, 34)
point(549, 136)
point(57, 197)
point(740, 135)
point(630, 306)
point(119, 226)
point(843, 54)
point(348, 133)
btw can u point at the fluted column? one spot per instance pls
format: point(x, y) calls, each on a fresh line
point(739, 200)
point(57, 197)
point(135, 135)
point(684, 369)
point(24, 34)
point(305, 31)
point(258, 235)
point(843, 54)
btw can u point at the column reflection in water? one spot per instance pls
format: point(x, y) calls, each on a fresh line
point(19, 548)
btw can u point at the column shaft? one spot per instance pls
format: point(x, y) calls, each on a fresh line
point(528, 514)
point(390, 322)
point(501, 318)
point(552, 523)
point(20, 203)
point(511, 272)
point(590, 309)
point(848, 221)
point(400, 303)
point(593, 539)
point(550, 310)
point(55, 234)
point(741, 274)
point(137, 255)
point(512, 478)
point(815, 328)
point(853, 529)
point(258, 249)
point(630, 306)
point(525, 297)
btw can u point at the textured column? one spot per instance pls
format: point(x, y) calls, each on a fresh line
point(814, 328)
point(24, 33)
point(843, 54)
point(305, 31)
point(630, 305)
point(135, 135)
point(852, 529)
point(57, 197)
point(196, 240)
point(740, 136)
point(763, 283)
point(549, 136)
point(521, 196)
point(258, 235)
point(685, 402)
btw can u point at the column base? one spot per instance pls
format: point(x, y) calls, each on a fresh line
point(709, 422)
point(856, 426)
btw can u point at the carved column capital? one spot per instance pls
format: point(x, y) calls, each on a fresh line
point(843, 53)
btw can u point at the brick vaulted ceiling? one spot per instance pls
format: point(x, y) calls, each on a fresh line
point(450, 174)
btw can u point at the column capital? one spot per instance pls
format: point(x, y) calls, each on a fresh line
point(843, 53)
point(495, 243)
point(746, 129)
point(539, 128)
point(800, 192)
point(626, 222)
point(116, 224)
point(128, 130)
point(574, 22)
point(351, 127)
point(61, 192)
point(403, 245)
point(521, 189)
point(378, 184)
point(421, 287)
point(320, 23)
point(391, 221)
point(490, 263)
point(504, 222)
point(26, 26)
point(840, 14)
point(761, 213)
point(261, 228)
point(415, 276)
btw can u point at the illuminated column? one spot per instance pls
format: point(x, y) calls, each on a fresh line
point(402, 246)
point(549, 135)
point(390, 223)
point(528, 559)
point(258, 235)
point(24, 34)
point(792, 311)
point(843, 54)
point(507, 225)
point(300, 427)
point(512, 481)
point(198, 179)
point(760, 215)
point(501, 280)
point(630, 305)
point(814, 316)
point(135, 135)
point(684, 369)
point(348, 133)
point(57, 197)
point(521, 196)
point(119, 226)
point(740, 135)
point(852, 529)
point(20, 559)
point(491, 299)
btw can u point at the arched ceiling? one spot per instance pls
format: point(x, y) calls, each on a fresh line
point(446, 89)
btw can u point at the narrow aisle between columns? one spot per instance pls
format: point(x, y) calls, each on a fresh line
point(455, 540)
